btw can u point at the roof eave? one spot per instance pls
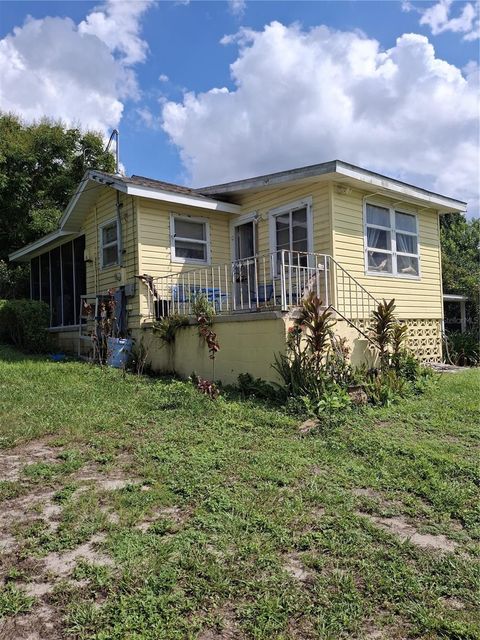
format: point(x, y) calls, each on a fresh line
point(390, 186)
point(341, 170)
point(183, 199)
point(25, 253)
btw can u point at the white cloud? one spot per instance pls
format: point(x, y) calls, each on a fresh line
point(237, 7)
point(163, 77)
point(303, 97)
point(117, 24)
point(438, 18)
point(78, 73)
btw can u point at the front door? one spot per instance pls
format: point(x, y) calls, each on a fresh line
point(244, 240)
point(244, 264)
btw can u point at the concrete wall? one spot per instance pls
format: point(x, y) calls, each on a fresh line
point(247, 345)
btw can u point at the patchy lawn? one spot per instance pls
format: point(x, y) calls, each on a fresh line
point(138, 509)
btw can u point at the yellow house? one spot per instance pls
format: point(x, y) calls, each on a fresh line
point(254, 248)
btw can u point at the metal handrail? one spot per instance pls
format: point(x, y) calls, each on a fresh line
point(262, 282)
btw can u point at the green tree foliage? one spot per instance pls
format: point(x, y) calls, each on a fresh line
point(461, 257)
point(41, 164)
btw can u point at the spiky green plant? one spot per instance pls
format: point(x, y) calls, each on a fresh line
point(381, 330)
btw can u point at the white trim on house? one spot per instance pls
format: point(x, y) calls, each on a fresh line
point(185, 200)
point(343, 172)
point(55, 238)
point(287, 208)
point(108, 245)
point(393, 252)
point(173, 237)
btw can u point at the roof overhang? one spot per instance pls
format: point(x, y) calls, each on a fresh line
point(86, 195)
point(87, 192)
point(38, 247)
point(453, 297)
point(347, 174)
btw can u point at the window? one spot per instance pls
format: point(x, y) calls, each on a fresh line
point(290, 233)
point(109, 243)
point(391, 240)
point(189, 240)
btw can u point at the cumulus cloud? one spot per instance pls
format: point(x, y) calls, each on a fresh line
point(117, 24)
point(303, 97)
point(81, 74)
point(438, 18)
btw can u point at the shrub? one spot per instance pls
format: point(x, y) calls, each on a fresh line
point(167, 327)
point(463, 349)
point(24, 324)
point(386, 387)
point(256, 387)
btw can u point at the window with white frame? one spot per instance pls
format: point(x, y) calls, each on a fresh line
point(109, 244)
point(189, 240)
point(290, 234)
point(391, 242)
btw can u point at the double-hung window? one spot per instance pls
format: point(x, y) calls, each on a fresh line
point(290, 233)
point(109, 244)
point(190, 240)
point(391, 242)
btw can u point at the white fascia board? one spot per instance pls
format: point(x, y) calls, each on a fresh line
point(38, 244)
point(403, 190)
point(182, 199)
point(71, 205)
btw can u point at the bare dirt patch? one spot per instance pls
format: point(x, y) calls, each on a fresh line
point(62, 564)
point(13, 461)
point(37, 504)
point(294, 566)
point(453, 603)
point(174, 513)
point(405, 531)
point(227, 629)
point(42, 623)
point(93, 475)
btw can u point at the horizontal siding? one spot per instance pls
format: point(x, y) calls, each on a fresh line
point(265, 200)
point(420, 298)
point(100, 280)
point(154, 240)
point(154, 236)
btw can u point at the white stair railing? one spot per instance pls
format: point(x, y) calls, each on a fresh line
point(279, 280)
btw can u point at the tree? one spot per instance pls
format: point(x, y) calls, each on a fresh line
point(461, 258)
point(41, 164)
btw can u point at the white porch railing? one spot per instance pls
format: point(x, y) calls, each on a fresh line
point(261, 283)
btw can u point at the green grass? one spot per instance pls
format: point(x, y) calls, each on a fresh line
point(235, 493)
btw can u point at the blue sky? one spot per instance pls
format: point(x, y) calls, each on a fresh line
point(177, 49)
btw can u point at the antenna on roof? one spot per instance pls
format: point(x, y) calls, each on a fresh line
point(115, 134)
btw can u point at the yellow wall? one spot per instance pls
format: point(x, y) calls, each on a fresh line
point(154, 240)
point(247, 345)
point(415, 298)
point(100, 280)
point(264, 200)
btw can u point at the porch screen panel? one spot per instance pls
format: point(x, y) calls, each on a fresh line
point(45, 278)
point(56, 308)
point(68, 284)
point(35, 278)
